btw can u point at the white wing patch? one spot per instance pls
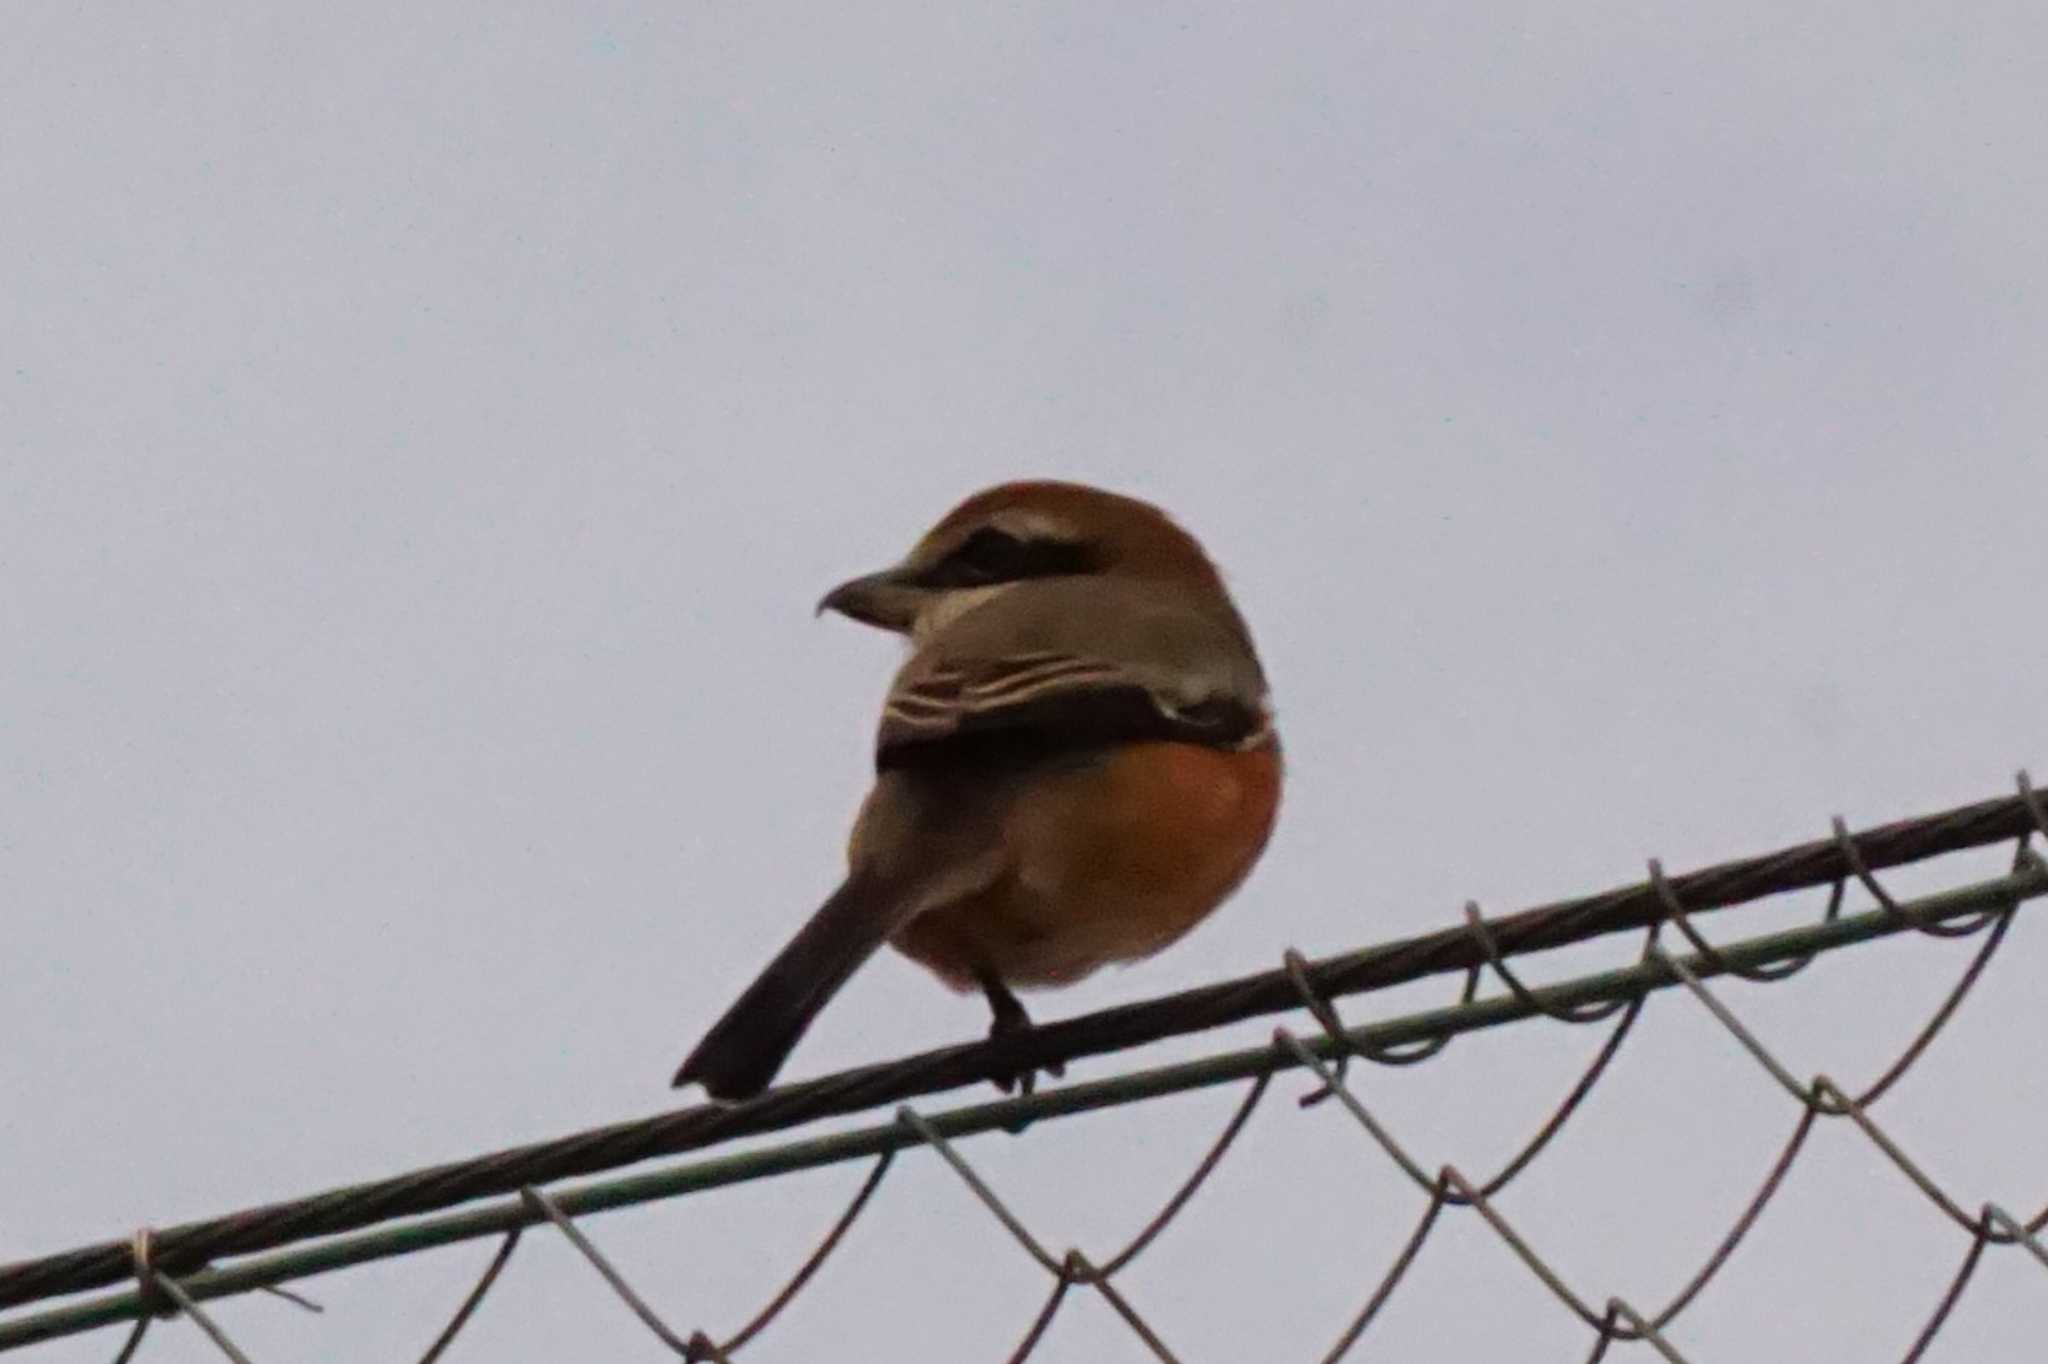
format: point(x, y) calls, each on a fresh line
point(941, 698)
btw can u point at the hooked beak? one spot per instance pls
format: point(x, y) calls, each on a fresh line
point(887, 600)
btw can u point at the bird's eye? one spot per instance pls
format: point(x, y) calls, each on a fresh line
point(990, 556)
point(995, 556)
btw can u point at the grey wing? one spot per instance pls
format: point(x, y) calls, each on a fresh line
point(1122, 671)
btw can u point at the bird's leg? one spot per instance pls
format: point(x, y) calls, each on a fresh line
point(1008, 1016)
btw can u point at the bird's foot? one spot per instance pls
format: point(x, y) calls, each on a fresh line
point(1008, 1018)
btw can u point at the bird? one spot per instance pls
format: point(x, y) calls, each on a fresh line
point(1076, 763)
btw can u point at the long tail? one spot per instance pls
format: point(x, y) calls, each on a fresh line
point(745, 1047)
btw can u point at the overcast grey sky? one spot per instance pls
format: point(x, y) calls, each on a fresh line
point(423, 432)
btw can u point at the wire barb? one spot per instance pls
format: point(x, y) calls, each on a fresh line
point(164, 1290)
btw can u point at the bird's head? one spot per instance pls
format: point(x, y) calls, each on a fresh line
point(1016, 532)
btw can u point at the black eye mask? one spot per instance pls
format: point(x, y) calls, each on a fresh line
point(992, 556)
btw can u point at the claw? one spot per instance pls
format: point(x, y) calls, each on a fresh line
point(1008, 1017)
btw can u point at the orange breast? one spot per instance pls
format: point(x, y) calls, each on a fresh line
point(1107, 862)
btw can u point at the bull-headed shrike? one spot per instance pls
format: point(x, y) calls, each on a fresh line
point(1076, 764)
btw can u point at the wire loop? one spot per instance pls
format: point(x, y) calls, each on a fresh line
point(1332, 1024)
point(1586, 1013)
point(1674, 913)
point(1860, 865)
point(2031, 799)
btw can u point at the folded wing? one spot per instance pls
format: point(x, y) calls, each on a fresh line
point(1126, 674)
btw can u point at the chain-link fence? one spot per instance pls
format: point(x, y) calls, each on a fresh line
point(175, 1270)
